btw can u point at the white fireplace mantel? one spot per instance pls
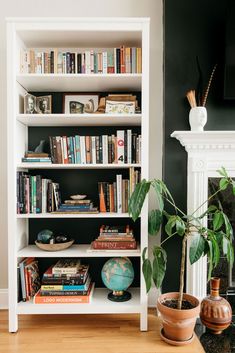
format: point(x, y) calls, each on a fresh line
point(207, 152)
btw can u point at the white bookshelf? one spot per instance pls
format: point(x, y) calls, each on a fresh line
point(72, 33)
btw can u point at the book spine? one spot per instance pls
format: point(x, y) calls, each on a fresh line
point(61, 299)
point(93, 149)
point(114, 245)
point(122, 60)
point(87, 62)
point(88, 149)
point(63, 293)
point(120, 146)
point(105, 149)
point(65, 150)
point(119, 193)
point(105, 62)
point(129, 149)
point(118, 61)
point(83, 149)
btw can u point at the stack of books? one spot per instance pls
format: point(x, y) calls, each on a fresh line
point(114, 197)
point(28, 278)
point(77, 206)
point(68, 281)
point(124, 147)
point(115, 238)
point(82, 61)
point(36, 158)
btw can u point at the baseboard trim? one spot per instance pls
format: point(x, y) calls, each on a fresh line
point(3, 298)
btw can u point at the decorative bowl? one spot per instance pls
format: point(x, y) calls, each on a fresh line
point(78, 197)
point(54, 247)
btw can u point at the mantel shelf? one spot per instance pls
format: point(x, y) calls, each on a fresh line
point(212, 141)
point(80, 119)
point(80, 82)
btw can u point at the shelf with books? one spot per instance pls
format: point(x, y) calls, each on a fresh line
point(80, 119)
point(80, 82)
point(41, 165)
point(73, 215)
point(80, 250)
point(99, 304)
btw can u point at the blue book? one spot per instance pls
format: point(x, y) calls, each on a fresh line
point(78, 149)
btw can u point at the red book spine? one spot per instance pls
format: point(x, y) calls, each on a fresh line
point(114, 245)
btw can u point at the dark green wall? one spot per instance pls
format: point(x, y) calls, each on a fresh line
point(191, 28)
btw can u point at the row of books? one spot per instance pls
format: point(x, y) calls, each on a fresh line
point(115, 238)
point(67, 281)
point(123, 148)
point(28, 278)
point(114, 197)
point(82, 61)
point(36, 194)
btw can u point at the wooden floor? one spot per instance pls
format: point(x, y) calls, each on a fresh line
point(86, 334)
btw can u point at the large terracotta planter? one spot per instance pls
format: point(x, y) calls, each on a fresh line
point(178, 325)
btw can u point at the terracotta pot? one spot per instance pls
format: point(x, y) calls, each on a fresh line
point(216, 312)
point(178, 325)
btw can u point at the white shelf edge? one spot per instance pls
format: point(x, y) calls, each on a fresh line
point(79, 119)
point(102, 76)
point(99, 305)
point(80, 250)
point(75, 166)
point(73, 215)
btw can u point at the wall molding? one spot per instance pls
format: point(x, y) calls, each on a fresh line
point(3, 298)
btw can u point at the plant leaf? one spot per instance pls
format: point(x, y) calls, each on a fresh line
point(218, 220)
point(170, 225)
point(233, 187)
point(196, 248)
point(147, 272)
point(223, 183)
point(216, 251)
point(230, 254)
point(144, 253)
point(210, 259)
point(137, 198)
point(223, 172)
point(159, 265)
point(228, 227)
point(155, 221)
point(158, 189)
point(180, 226)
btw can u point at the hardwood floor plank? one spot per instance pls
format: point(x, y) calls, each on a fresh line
point(86, 334)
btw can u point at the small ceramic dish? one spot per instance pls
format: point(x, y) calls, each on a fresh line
point(54, 247)
point(78, 197)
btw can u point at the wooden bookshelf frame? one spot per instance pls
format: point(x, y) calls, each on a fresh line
point(63, 32)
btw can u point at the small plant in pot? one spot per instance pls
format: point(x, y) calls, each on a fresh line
point(179, 310)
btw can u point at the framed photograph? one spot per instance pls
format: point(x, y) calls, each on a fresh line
point(79, 103)
point(43, 104)
point(30, 104)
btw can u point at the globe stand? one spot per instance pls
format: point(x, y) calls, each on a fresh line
point(119, 296)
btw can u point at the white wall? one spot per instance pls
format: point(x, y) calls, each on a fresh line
point(129, 8)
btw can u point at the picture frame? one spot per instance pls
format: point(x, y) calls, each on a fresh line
point(30, 105)
point(43, 104)
point(80, 103)
point(119, 107)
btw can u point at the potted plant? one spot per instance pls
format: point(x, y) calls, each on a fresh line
point(179, 310)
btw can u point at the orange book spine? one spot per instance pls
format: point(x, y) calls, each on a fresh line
point(88, 149)
point(122, 60)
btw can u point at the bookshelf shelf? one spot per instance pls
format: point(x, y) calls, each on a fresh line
point(99, 305)
point(80, 82)
point(25, 131)
point(80, 120)
point(80, 250)
point(35, 165)
point(73, 215)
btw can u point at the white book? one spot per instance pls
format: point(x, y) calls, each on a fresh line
point(87, 62)
point(92, 61)
point(105, 62)
point(38, 66)
point(83, 149)
point(120, 146)
point(105, 148)
point(65, 150)
point(129, 147)
point(93, 149)
point(119, 193)
point(60, 63)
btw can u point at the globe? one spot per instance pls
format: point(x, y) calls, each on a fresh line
point(45, 236)
point(117, 275)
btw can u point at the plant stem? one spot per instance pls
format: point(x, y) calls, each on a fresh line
point(209, 198)
point(182, 269)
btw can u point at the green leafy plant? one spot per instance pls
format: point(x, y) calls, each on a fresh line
point(210, 240)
